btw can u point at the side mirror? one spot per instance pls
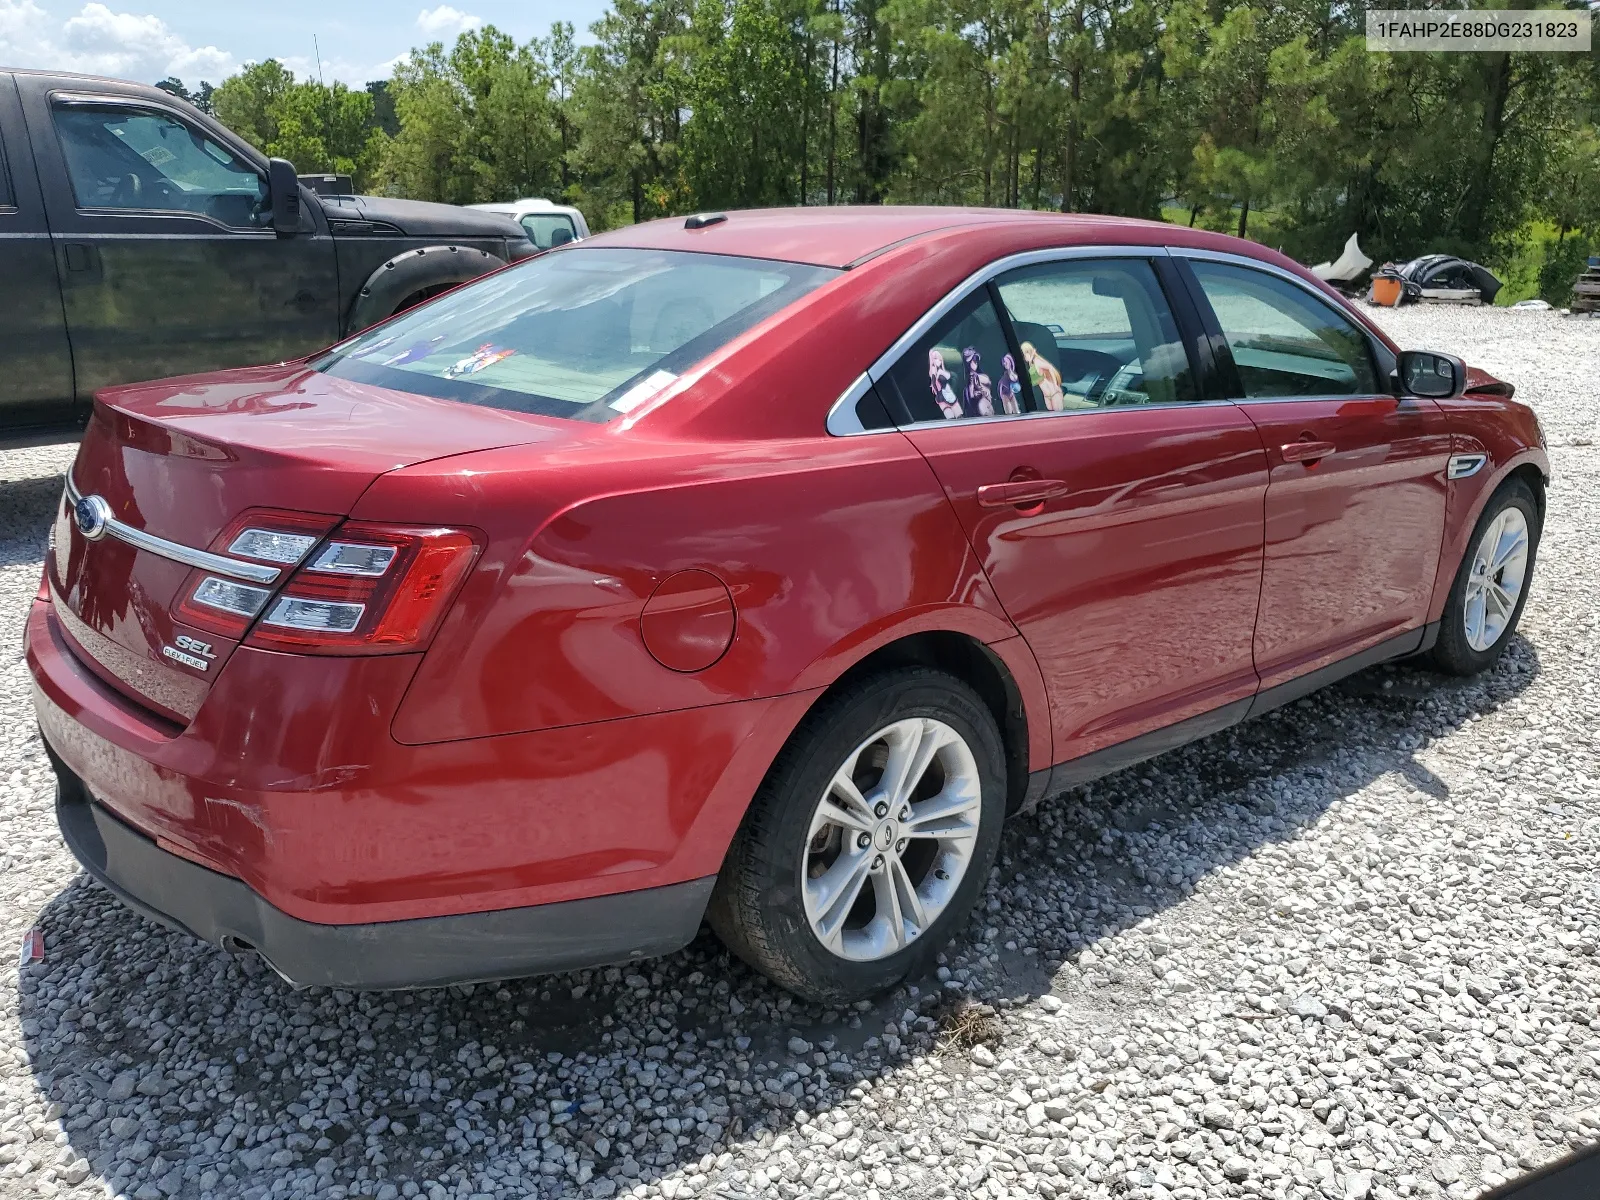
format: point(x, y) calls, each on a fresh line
point(283, 190)
point(1435, 376)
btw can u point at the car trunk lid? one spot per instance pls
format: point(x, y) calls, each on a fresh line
point(185, 460)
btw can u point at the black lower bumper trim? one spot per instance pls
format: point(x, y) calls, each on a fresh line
point(424, 952)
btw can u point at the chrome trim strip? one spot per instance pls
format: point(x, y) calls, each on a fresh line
point(176, 552)
point(843, 420)
point(963, 422)
point(839, 424)
point(1463, 465)
point(1244, 260)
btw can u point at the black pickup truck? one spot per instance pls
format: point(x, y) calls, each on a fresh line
point(139, 239)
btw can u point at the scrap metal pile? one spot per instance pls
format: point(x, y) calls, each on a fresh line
point(1586, 288)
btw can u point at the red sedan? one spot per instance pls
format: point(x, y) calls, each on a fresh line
point(749, 568)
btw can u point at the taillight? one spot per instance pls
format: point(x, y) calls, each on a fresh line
point(269, 537)
point(367, 589)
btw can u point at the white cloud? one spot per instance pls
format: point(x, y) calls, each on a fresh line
point(100, 42)
point(444, 21)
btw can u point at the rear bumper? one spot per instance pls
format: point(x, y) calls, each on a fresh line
point(422, 952)
point(289, 783)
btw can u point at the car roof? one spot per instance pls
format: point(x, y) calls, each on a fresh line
point(843, 236)
point(79, 77)
point(525, 205)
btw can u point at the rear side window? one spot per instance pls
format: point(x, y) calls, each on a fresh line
point(1285, 342)
point(961, 368)
point(549, 230)
point(589, 333)
point(1096, 333)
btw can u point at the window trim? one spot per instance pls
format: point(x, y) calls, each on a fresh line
point(8, 190)
point(140, 104)
point(843, 420)
point(1208, 315)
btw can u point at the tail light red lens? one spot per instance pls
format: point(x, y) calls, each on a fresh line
point(368, 589)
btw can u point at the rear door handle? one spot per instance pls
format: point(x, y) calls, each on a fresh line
point(1305, 451)
point(1020, 493)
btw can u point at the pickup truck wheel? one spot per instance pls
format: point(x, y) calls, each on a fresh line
point(870, 839)
point(417, 298)
point(408, 279)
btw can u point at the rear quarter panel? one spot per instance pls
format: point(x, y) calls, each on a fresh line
point(828, 547)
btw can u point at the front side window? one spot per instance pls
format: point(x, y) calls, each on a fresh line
point(549, 230)
point(1096, 333)
point(130, 158)
point(589, 333)
point(1285, 342)
point(963, 367)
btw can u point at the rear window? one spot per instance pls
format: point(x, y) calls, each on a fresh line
point(588, 333)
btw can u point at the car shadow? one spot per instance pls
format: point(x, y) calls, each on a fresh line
point(682, 1058)
point(27, 504)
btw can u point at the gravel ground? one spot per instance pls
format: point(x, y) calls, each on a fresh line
point(1347, 951)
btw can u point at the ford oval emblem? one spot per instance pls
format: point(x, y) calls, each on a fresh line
point(93, 516)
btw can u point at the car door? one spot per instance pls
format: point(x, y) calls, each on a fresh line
point(36, 386)
point(167, 266)
point(1117, 515)
point(1355, 504)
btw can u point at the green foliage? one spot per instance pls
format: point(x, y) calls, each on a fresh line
point(1564, 260)
point(319, 129)
point(1268, 120)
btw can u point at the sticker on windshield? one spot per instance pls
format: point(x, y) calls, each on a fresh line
point(980, 396)
point(939, 381)
point(485, 355)
point(642, 391)
point(413, 352)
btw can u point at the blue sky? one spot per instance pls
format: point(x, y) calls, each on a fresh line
point(359, 40)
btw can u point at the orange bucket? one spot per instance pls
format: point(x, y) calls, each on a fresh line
point(1385, 290)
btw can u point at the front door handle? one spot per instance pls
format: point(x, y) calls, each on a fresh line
point(82, 260)
point(1020, 493)
point(1306, 452)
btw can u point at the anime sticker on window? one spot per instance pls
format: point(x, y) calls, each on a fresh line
point(979, 400)
point(1045, 377)
point(1009, 387)
point(939, 381)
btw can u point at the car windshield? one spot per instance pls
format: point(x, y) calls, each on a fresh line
point(548, 230)
point(588, 333)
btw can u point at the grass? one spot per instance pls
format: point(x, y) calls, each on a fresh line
point(965, 1023)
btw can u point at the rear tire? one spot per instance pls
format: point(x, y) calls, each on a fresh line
point(1491, 585)
point(829, 818)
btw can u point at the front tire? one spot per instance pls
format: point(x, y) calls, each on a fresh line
point(870, 839)
point(1491, 585)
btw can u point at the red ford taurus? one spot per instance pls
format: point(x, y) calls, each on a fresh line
point(747, 568)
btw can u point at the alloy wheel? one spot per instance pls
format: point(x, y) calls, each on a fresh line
point(891, 839)
point(1499, 571)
